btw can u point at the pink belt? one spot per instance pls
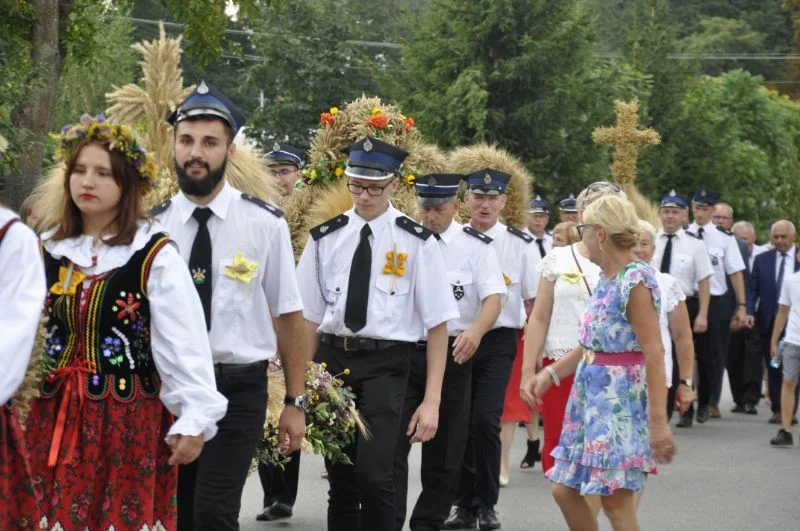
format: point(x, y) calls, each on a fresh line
point(623, 359)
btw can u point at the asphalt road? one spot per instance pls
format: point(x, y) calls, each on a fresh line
point(725, 477)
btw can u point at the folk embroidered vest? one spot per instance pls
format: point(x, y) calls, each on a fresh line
point(102, 330)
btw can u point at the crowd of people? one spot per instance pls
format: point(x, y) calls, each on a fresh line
point(154, 331)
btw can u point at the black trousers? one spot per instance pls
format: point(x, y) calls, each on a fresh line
point(745, 366)
point(722, 360)
point(479, 481)
point(441, 456)
point(676, 379)
point(361, 495)
point(706, 348)
point(280, 484)
point(210, 489)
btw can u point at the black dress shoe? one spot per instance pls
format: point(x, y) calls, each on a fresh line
point(487, 519)
point(276, 511)
point(532, 455)
point(750, 409)
point(460, 518)
point(702, 414)
point(739, 409)
point(784, 438)
point(686, 421)
point(775, 418)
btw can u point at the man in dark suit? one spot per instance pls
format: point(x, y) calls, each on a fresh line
point(769, 271)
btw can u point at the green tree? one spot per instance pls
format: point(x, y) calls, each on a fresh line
point(727, 36)
point(515, 72)
point(744, 141)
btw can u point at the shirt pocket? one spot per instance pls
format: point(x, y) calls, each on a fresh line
point(391, 295)
point(236, 282)
point(716, 254)
point(681, 263)
point(333, 291)
point(462, 284)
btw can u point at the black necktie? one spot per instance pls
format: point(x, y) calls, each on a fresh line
point(700, 232)
point(355, 310)
point(200, 261)
point(540, 243)
point(437, 236)
point(779, 282)
point(666, 259)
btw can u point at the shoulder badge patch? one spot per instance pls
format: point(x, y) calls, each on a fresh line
point(481, 236)
point(160, 209)
point(412, 227)
point(519, 234)
point(329, 227)
point(272, 209)
point(726, 231)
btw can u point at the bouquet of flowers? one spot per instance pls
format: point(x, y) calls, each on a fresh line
point(332, 420)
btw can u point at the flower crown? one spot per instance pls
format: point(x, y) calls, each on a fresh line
point(117, 137)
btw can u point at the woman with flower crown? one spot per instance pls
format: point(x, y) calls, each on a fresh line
point(127, 349)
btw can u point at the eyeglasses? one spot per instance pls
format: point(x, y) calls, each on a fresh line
point(582, 228)
point(282, 173)
point(602, 185)
point(374, 191)
point(721, 217)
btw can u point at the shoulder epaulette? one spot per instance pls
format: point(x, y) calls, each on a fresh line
point(692, 234)
point(329, 227)
point(272, 209)
point(159, 209)
point(519, 234)
point(412, 227)
point(481, 236)
point(685, 227)
point(726, 231)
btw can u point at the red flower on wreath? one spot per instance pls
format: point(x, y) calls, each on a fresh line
point(327, 118)
point(378, 122)
point(409, 123)
point(127, 307)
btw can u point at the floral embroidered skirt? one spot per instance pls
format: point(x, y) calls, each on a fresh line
point(605, 438)
point(19, 508)
point(114, 472)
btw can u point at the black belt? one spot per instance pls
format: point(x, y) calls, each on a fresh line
point(351, 344)
point(238, 368)
point(423, 345)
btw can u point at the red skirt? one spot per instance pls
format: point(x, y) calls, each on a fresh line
point(514, 408)
point(19, 507)
point(554, 404)
point(115, 474)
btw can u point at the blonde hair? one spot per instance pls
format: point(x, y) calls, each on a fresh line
point(569, 230)
point(617, 216)
point(645, 226)
point(595, 191)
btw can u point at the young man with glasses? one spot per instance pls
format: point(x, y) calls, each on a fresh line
point(374, 285)
point(285, 162)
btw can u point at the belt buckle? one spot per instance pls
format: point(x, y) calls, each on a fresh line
point(350, 344)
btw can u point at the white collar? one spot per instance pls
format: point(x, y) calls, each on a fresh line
point(448, 235)
point(220, 205)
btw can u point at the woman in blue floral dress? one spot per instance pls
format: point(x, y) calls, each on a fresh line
point(615, 427)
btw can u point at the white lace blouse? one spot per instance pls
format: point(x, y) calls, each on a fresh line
point(179, 340)
point(671, 295)
point(570, 296)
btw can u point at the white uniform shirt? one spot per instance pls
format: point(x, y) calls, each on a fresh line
point(547, 241)
point(671, 295)
point(724, 253)
point(474, 274)
point(178, 338)
point(518, 260)
point(241, 310)
point(689, 263)
point(790, 296)
point(22, 292)
point(401, 307)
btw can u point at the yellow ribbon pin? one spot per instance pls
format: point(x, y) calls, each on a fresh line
point(68, 281)
point(395, 263)
point(506, 279)
point(242, 269)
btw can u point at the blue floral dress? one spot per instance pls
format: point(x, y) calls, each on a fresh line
point(605, 439)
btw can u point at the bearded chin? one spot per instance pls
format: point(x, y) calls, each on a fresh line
point(199, 187)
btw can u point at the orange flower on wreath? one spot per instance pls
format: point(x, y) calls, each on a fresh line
point(327, 118)
point(409, 123)
point(379, 121)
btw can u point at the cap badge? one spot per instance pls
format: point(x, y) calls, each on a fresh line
point(487, 179)
point(367, 145)
point(702, 193)
point(276, 147)
point(672, 193)
point(572, 196)
point(432, 181)
point(202, 88)
point(538, 198)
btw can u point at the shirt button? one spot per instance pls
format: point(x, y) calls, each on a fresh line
point(338, 289)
